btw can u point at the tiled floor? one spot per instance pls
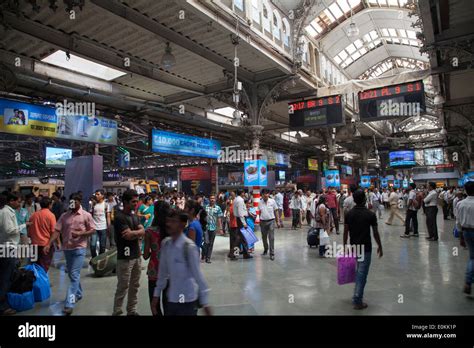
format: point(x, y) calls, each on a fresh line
point(414, 277)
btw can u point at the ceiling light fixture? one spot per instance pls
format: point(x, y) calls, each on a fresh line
point(168, 60)
point(353, 30)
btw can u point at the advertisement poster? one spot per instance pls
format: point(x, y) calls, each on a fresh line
point(195, 180)
point(405, 183)
point(276, 158)
point(255, 173)
point(396, 183)
point(36, 120)
point(384, 182)
point(365, 181)
point(184, 145)
point(313, 164)
point(332, 178)
point(57, 157)
point(235, 178)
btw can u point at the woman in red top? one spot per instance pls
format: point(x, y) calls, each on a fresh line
point(232, 227)
point(153, 238)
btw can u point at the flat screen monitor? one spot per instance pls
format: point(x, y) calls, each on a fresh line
point(281, 175)
point(404, 158)
point(57, 156)
point(433, 157)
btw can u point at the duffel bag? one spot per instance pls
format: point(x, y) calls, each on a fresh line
point(104, 263)
point(313, 237)
point(21, 302)
point(41, 286)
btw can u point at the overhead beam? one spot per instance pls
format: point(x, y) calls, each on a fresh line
point(155, 27)
point(97, 52)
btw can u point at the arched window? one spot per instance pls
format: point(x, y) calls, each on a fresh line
point(266, 18)
point(276, 25)
point(286, 32)
point(305, 56)
point(256, 12)
point(239, 4)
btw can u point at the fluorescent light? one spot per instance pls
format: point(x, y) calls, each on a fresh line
point(83, 66)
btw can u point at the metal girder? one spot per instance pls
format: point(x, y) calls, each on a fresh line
point(98, 52)
point(153, 26)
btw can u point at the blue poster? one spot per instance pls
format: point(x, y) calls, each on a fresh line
point(468, 177)
point(255, 173)
point(365, 181)
point(396, 183)
point(405, 183)
point(384, 182)
point(184, 145)
point(332, 178)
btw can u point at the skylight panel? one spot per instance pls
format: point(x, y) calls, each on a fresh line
point(392, 32)
point(354, 3)
point(411, 34)
point(344, 5)
point(402, 32)
point(311, 30)
point(329, 16)
point(337, 59)
point(384, 32)
point(335, 10)
point(356, 55)
point(358, 43)
point(351, 49)
point(343, 55)
point(393, 3)
point(83, 66)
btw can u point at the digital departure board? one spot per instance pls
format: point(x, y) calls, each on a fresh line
point(403, 100)
point(317, 112)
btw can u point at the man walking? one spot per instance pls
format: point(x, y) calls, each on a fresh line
point(413, 205)
point(268, 218)
point(357, 224)
point(128, 233)
point(99, 214)
point(75, 226)
point(279, 203)
point(240, 212)
point(393, 201)
point(431, 208)
point(214, 223)
point(465, 225)
point(42, 224)
point(9, 240)
point(331, 202)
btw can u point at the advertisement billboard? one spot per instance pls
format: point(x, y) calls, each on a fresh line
point(333, 178)
point(36, 120)
point(365, 181)
point(184, 145)
point(313, 164)
point(57, 157)
point(384, 182)
point(255, 173)
point(402, 158)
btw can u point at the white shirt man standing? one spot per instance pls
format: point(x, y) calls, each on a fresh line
point(268, 215)
point(465, 225)
point(240, 212)
point(279, 203)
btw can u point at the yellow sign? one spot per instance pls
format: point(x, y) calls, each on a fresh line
point(313, 164)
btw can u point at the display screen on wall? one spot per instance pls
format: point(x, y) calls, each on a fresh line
point(347, 170)
point(281, 175)
point(57, 157)
point(402, 158)
point(317, 112)
point(433, 157)
point(365, 181)
point(402, 100)
point(332, 178)
point(184, 145)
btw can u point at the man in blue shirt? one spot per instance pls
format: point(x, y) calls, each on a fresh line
point(214, 223)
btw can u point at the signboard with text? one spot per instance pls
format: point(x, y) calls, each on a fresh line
point(316, 112)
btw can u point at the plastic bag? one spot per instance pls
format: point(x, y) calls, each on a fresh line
point(249, 236)
point(21, 302)
point(456, 232)
point(323, 237)
point(41, 286)
point(346, 270)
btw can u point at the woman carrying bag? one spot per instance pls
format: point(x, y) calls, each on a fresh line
point(322, 220)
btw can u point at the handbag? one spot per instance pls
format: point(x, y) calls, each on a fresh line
point(41, 286)
point(346, 270)
point(323, 237)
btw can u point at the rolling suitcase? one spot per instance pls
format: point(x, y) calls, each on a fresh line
point(313, 237)
point(104, 263)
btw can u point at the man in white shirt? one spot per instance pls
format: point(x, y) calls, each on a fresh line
point(99, 215)
point(268, 216)
point(393, 200)
point(9, 239)
point(465, 225)
point(307, 206)
point(412, 212)
point(431, 209)
point(240, 212)
point(385, 196)
point(279, 203)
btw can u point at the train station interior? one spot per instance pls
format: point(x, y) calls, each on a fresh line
point(350, 119)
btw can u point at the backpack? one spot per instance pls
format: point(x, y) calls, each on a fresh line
point(418, 201)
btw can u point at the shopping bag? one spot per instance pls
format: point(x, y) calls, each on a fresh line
point(456, 232)
point(41, 286)
point(249, 236)
point(346, 270)
point(323, 237)
point(21, 302)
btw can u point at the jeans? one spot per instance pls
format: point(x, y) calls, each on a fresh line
point(100, 235)
point(267, 227)
point(7, 267)
point(296, 218)
point(361, 277)
point(335, 218)
point(469, 238)
point(209, 245)
point(187, 308)
point(74, 262)
point(432, 226)
point(412, 215)
point(128, 281)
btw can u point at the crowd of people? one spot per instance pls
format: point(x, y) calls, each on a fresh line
point(175, 233)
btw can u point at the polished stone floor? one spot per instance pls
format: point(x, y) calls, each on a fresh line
point(414, 277)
